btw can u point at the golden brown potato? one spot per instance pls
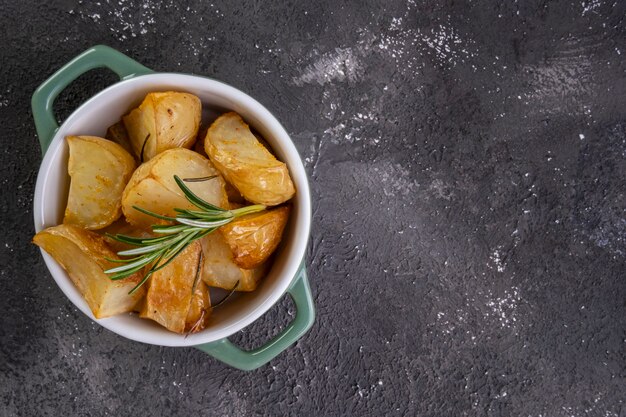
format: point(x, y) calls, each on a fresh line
point(219, 270)
point(246, 163)
point(152, 186)
point(82, 254)
point(118, 134)
point(99, 170)
point(171, 299)
point(253, 238)
point(164, 120)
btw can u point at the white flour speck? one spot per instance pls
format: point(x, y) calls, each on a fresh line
point(446, 326)
point(505, 308)
point(590, 6)
point(445, 42)
point(127, 19)
point(611, 235)
point(496, 259)
point(441, 189)
point(340, 65)
point(335, 132)
point(368, 391)
point(501, 395)
point(407, 46)
point(396, 180)
point(396, 23)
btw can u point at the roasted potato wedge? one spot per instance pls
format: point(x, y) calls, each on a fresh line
point(82, 254)
point(253, 238)
point(99, 170)
point(152, 186)
point(219, 270)
point(118, 134)
point(164, 120)
point(246, 163)
point(177, 298)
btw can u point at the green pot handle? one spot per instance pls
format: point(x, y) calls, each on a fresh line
point(230, 354)
point(95, 57)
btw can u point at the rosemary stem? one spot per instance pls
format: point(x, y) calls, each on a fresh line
point(248, 210)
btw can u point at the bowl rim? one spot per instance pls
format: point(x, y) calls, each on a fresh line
point(297, 170)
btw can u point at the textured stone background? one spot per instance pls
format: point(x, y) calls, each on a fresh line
point(468, 166)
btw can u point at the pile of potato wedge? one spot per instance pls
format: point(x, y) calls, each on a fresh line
point(135, 166)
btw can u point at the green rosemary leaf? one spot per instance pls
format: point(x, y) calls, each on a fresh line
point(200, 179)
point(139, 241)
point(206, 232)
point(154, 240)
point(144, 249)
point(202, 223)
point(130, 266)
point(172, 253)
point(146, 276)
point(127, 273)
point(192, 214)
point(169, 236)
point(131, 240)
point(140, 283)
point(153, 214)
point(248, 210)
point(122, 275)
point(121, 261)
point(194, 199)
point(167, 229)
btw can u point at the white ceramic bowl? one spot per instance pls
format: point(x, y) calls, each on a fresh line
point(106, 108)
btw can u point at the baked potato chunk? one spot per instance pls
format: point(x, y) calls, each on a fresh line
point(253, 238)
point(246, 163)
point(82, 254)
point(164, 120)
point(219, 269)
point(99, 170)
point(152, 186)
point(177, 298)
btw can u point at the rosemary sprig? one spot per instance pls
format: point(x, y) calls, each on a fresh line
point(189, 226)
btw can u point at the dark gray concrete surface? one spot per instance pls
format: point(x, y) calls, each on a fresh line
point(468, 167)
